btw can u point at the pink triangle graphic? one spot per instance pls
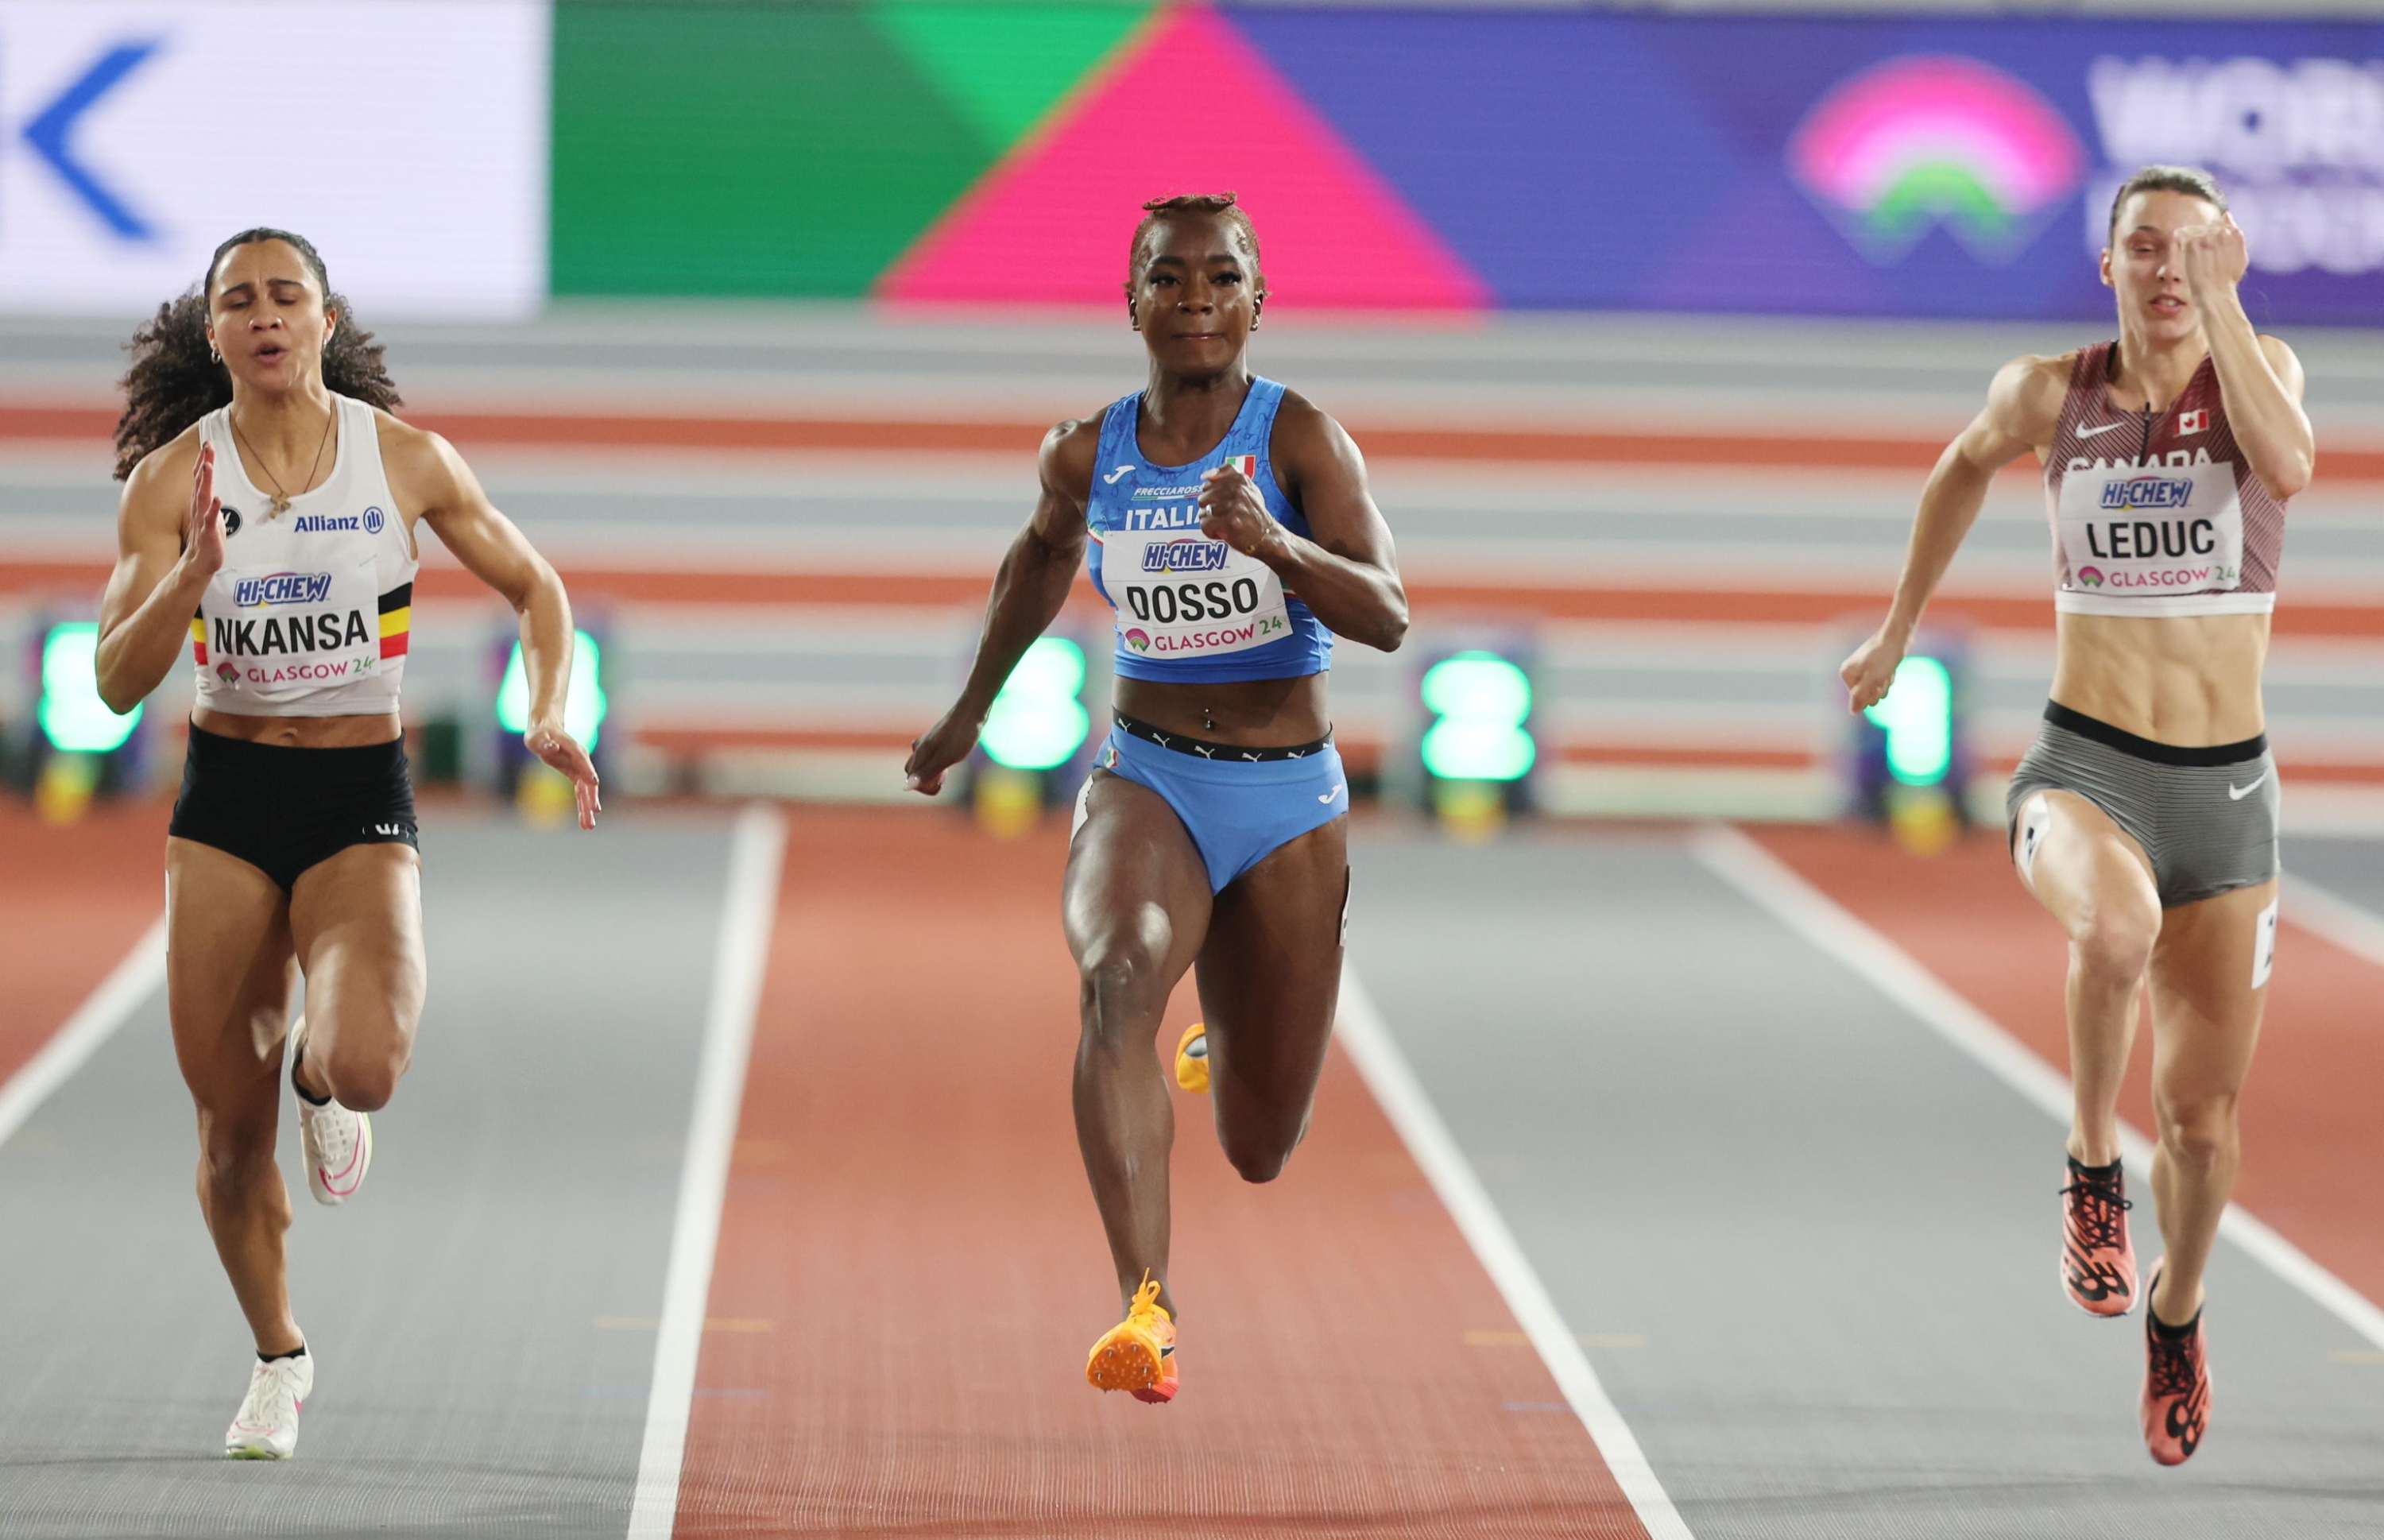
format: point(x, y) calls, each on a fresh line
point(1195, 109)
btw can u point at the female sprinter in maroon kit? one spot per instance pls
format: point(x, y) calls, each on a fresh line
point(270, 513)
point(2144, 817)
point(1231, 531)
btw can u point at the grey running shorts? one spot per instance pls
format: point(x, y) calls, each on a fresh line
point(2205, 817)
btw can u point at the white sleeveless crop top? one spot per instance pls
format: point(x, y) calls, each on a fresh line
point(310, 614)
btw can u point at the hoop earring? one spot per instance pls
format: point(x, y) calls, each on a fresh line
point(212, 355)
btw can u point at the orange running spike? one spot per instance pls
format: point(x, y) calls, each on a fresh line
point(1192, 1059)
point(1138, 1354)
point(2098, 1259)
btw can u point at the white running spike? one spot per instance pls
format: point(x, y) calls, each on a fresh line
point(267, 1427)
point(336, 1141)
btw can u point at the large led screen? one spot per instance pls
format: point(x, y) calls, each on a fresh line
point(407, 139)
point(1874, 166)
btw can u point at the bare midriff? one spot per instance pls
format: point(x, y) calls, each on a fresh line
point(302, 732)
point(2189, 681)
point(1250, 713)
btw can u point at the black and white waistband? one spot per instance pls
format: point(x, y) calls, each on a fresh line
point(1136, 727)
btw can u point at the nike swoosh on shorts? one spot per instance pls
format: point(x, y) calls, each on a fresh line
point(2239, 793)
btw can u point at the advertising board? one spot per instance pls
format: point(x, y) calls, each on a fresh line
point(406, 139)
point(1891, 166)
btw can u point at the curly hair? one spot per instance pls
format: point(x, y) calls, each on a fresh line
point(176, 378)
point(1213, 205)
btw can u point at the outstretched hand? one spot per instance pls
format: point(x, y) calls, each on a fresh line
point(937, 750)
point(562, 751)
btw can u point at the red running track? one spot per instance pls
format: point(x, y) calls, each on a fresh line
point(2313, 1167)
point(911, 1271)
point(73, 899)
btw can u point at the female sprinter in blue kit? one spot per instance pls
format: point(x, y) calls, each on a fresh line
point(1231, 532)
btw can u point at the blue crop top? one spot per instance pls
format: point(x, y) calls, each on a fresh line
point(1190, 608)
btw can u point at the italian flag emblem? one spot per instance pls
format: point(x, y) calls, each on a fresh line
point(1247, 463)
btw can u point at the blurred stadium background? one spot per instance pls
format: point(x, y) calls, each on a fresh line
point(1648, 320)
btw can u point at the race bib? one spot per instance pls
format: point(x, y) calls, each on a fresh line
point(278, 634)
point(2134, 531)
point(1180, 594)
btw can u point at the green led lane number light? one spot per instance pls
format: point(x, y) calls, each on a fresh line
point(1918, 717)
point(583, 709)
point(73, 718)
point(1482, 701)
point(1038, 720)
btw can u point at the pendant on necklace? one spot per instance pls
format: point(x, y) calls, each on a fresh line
point(280, 505)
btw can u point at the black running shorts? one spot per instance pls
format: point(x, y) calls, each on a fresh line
point(282, 810)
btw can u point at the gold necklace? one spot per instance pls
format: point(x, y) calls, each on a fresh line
point(279, 498)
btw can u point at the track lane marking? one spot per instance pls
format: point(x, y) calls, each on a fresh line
point(131, 982)
point(757, 849)
point(2331, 917)
point(1779, 890)
point(1401, 1096)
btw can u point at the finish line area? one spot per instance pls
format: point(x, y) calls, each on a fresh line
point(1799, 1234)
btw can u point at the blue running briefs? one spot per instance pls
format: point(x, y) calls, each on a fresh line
point(1237, 810)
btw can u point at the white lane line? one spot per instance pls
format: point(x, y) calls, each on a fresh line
point(1813, 914)
point(1401, 1096)
point(756, 849)
point(131, 981)
point(2334, 918)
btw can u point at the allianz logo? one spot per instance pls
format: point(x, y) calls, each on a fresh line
point(282, 587)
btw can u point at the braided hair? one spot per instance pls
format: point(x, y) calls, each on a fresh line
point(1211, 204)
point(175, 380)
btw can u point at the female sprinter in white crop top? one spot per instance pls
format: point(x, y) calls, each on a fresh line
point(2144, 817)
point(271, 513)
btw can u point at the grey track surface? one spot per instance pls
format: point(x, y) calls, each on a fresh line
point(1834, 1234)
point(522, 1189)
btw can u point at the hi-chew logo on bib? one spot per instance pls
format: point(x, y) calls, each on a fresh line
point(282, 587)
point(1186, 555)
point(279, 632)
point(2148, 492)
point(2127, 531)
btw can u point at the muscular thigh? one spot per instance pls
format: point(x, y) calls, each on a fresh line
point(355, 920)
point(1270, 973)
point(2080, 863)
point(227, 976)
point(1137, 891)
point(2209, 985)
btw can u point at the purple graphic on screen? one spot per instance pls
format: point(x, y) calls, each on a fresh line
point(1936, 139)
